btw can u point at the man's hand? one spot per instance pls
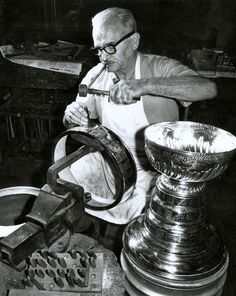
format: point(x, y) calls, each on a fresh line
point(76, 114)
point(126, 91)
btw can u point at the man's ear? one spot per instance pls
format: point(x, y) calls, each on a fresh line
point(135, 40)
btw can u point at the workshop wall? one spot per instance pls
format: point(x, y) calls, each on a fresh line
point(164, 24)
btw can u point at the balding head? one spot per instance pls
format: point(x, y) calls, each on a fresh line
point(115, 16)
point(116, 27)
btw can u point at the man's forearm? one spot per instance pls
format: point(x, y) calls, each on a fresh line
point(191, 88)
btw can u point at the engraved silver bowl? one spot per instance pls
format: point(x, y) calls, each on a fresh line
point(189, 151)
point(172, 249)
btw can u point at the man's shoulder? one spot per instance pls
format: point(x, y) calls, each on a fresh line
point(158, 65)
point(153, 64)
point(151, 59)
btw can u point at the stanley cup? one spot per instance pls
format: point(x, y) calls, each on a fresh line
point(172, 249)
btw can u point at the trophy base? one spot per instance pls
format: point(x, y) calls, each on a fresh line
point(138, 285)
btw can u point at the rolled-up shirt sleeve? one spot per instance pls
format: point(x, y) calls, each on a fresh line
point(171, 68)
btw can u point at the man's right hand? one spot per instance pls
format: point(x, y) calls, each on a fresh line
point(76, 114)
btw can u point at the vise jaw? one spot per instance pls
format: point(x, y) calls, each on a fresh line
point(52, 215)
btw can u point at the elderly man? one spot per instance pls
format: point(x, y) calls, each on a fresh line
point(158, 82)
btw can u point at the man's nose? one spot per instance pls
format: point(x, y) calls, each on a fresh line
point(104, 56)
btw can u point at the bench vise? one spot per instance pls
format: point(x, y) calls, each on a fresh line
point(57, 208)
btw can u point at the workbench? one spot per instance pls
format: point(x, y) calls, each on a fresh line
point(112, 282)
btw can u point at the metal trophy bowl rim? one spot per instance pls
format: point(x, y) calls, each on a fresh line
point(189, 151)
point(188, 123)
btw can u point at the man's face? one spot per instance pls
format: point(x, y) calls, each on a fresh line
point(104, 35)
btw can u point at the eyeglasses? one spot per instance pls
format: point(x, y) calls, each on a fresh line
point(110, 48)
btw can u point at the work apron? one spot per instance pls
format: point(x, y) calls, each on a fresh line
point(128, 122)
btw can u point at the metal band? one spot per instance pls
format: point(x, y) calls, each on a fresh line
point(108, 143)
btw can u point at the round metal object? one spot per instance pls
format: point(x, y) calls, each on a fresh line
point(112, 150)
point(15, 204)
point(173, 253)
point(139, 284)
point(189, 151)
point(172, 249)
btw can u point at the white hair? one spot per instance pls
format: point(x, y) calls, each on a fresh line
point(115, 15)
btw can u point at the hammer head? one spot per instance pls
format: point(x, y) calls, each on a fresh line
point(83, 90)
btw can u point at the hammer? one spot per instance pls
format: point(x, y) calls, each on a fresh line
point(84, 90)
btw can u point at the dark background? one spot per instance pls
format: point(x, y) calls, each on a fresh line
point(164, 24)
point(32, 99)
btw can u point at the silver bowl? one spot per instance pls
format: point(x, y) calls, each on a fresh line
point(189, 151)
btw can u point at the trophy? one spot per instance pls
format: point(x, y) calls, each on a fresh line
point(172, 249)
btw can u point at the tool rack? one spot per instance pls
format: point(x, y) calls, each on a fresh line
point(31, 118)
